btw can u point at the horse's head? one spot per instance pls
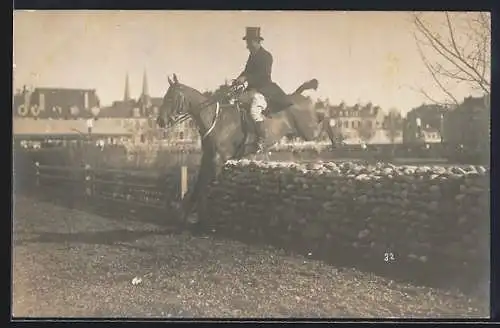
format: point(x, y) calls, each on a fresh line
point(175, 103)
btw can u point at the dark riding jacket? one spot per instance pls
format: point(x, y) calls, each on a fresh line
point(258, 75)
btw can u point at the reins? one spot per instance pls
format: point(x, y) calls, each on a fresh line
point(185, 116)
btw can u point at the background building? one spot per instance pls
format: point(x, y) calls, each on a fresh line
point(358, 123)
point(468, 124)
point(141, 115)
point(424, 124)
point(55, 103)
point(129, 116)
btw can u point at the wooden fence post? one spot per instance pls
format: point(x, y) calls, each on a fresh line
point(184, 180)
point(37, 173)
point(184, 172)
point(89, 186)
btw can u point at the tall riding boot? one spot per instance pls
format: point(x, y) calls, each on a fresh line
point(260, 136)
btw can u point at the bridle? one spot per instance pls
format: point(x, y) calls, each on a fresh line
point(180, 104)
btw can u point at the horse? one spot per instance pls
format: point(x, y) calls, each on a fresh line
point(228, 133)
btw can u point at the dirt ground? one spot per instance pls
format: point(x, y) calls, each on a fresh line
point(69, 263)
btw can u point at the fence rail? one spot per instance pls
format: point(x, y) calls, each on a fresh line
point(149, 190)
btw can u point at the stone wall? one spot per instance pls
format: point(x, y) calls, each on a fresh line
point(419, 221)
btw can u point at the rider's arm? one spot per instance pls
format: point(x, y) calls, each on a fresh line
point(245, 71)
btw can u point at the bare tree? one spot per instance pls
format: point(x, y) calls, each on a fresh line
point(366, 128)
point(456, 50)
point(393, 127)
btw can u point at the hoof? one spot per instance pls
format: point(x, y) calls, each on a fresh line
point(191, 219)
point(196, 226)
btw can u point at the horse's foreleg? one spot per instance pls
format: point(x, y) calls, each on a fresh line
point(191, 199)
point(213, 170)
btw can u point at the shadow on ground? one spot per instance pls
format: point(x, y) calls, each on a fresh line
point(111, 237)
point(430, 275)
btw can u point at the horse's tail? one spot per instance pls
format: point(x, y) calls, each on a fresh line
point(311, 84)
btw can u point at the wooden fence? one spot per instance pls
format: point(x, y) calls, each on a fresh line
point(131, 187)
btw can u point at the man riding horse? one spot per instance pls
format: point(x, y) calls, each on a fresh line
point(224, 134)
point(261, 91)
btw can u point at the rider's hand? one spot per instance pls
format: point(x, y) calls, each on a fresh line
point(240, 80)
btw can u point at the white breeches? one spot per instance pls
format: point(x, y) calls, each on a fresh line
point(257, 106)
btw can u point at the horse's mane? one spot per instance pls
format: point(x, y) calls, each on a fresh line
point(191, 89)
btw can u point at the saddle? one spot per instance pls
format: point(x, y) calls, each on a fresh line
point(277, 101)
point(274, 106)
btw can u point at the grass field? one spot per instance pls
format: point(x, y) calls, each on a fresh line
point(74, 264)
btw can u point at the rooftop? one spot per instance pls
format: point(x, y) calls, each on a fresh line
point(28, 126)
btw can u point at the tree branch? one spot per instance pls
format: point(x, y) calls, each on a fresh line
point(452, 35)
point(433, 74)
point(485, 60)
point(484, 22)
point(448, 54)
point(452, 75)
point(438, 46)
point(426, 95)
point(471, 68)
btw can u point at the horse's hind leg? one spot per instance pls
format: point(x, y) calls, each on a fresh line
point(329, 130)
point(304, 123)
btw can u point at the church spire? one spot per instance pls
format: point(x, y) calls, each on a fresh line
point(126, 96)
point(145, 100)
point(145, 91)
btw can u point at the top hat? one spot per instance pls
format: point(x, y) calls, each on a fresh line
point(253, 33)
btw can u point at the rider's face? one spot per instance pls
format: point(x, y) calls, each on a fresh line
point(252, 45)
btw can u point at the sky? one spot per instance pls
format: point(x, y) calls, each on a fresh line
point(356, 56)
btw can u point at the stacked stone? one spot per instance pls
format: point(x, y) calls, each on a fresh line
point(424, 215)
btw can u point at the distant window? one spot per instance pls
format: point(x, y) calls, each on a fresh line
point(346, 124)
point(369, 124)
point(353, 124)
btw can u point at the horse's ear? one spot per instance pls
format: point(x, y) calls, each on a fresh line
point(175, 79)
point(170, 81)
